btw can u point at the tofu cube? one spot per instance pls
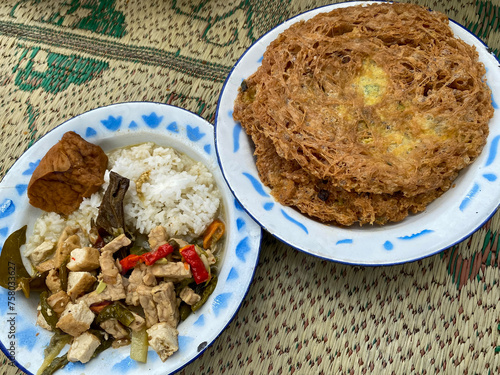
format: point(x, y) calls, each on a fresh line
point(163, 339)
point(79, 283)
point(75, 319)
point(42, 252)
point(84, 259)
point(83, 347)
point(40, 320)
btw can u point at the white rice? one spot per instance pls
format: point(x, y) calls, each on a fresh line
point(179, 194)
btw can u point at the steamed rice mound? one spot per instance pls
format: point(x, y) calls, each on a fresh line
point(178, 193)
point(166, 188)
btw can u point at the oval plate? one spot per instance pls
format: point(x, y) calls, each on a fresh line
point(111, 127)
point(448, 220)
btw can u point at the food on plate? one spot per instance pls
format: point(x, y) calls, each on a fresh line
point(71, 170)
point(292, 186)
point(132, 261)
point(379, 105)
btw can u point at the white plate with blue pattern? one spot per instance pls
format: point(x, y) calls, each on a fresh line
point(448, 220)
point(111, 127)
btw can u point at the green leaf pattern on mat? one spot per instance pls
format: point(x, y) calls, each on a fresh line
point(54, 72)
point(97, 16)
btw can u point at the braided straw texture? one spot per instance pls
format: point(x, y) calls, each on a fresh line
point(302, 315)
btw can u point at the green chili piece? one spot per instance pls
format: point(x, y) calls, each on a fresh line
point(33, 284)
point(49, 315)
point(105, 344)
point(207, 291)
point(116, 311)
point(182, 284)
point(138, 250)
point(184, 311)
point(63, 273)
point(57, 343)
point(56, 364)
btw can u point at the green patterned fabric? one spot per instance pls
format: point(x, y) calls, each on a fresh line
point(302, 315)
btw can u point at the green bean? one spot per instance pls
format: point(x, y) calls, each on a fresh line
point(105, 344)
point(116, 311)
point(56, 364)
point(46, 310)
point(184, 311)
point(207, 291)
point(57, 343)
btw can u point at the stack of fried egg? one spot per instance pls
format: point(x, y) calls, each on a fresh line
point(365, 114)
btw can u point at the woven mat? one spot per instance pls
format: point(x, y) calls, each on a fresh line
point(59, 58)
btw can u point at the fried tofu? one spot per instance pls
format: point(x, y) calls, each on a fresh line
point(84, 259)
point(75, 319)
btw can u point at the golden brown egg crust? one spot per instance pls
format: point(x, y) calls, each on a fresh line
point(292, 186)
point(379, 99)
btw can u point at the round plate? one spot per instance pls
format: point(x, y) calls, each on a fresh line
point(111, 127)
point(446, 221)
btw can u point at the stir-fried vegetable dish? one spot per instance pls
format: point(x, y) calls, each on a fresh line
point(119, 288)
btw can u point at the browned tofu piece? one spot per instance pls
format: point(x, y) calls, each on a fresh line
point(163, 338)
point(83, 347)
point(84, 259)
point(75, 319)
point(79, 283)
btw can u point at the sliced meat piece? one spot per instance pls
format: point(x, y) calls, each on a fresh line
point(114, 328)
point(53, 281)
point(67, 242)
point(112, 292)
point(172, 271)
point(163, 338)
point(148, 304)
point(110, 273)
point(141, 275)
point(58, 301)
point(157, 237)
point(189, 296)
point(116, 244)
point(166, 303)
